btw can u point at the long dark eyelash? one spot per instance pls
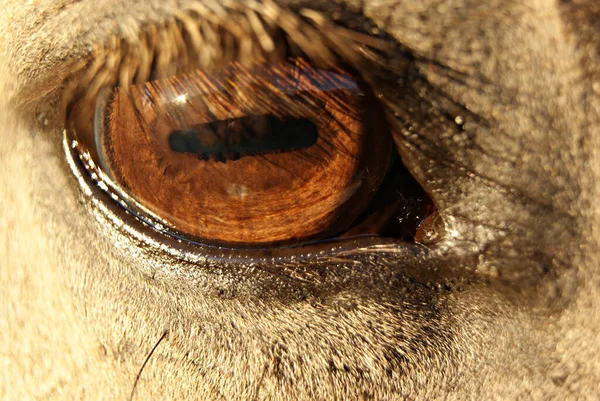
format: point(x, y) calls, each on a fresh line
point(204, 37)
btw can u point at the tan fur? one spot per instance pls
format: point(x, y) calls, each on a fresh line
point(495, 109)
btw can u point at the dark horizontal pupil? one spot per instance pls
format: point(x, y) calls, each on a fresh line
point(245, 136)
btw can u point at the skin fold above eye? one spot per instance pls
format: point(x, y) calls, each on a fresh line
point(493, 109)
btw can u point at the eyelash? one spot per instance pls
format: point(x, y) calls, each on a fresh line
point(176, 46)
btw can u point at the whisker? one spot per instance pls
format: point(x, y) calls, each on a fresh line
point(137, 378)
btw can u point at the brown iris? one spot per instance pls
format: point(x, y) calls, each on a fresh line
point(247, 155)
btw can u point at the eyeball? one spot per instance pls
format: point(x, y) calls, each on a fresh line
point(245, 155)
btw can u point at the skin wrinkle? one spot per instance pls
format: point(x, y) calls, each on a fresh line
point(83, 303)
point(498, 177)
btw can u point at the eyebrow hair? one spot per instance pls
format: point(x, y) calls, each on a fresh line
point(201, 36)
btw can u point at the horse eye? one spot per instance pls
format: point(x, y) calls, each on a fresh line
point(271, 153)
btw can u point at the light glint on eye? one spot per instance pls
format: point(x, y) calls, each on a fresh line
point(182, 98)
point(266, 154)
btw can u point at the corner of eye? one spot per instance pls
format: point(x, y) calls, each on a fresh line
point(46, 88)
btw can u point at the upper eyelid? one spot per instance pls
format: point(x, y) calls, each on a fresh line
point(191, 38)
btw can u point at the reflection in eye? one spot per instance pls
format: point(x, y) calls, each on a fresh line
point(268, 154)
point(244, 136)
